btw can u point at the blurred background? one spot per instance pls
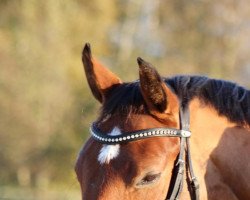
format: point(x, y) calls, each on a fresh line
point(45, 104)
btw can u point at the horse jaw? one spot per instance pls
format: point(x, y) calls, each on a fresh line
point(109, 152)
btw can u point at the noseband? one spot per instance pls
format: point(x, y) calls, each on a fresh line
point(184, 134)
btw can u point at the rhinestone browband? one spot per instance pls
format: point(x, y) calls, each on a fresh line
point(132, 136)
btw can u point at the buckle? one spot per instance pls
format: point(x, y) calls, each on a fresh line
point(195, 183)
point(185, 133)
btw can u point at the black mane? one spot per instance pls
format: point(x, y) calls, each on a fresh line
point(229, 99)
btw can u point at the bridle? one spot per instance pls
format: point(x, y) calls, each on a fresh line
point(184, 134)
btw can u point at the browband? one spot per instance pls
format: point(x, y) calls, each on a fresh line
point(137, 135)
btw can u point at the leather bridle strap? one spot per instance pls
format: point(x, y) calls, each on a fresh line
point(178, 185)
point(185, 125)
point(194, 182)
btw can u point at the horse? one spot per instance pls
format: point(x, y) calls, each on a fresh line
point(182, 137)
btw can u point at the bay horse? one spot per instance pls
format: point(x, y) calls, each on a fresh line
point(184, 137)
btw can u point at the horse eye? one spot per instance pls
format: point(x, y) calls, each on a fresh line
point(148, 179)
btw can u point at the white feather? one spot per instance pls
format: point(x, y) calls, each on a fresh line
point(109, 152)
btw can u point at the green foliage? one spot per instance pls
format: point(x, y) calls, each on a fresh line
point(45, 106)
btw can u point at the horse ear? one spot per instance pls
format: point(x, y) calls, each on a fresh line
point(99, 78)
point(158, 97)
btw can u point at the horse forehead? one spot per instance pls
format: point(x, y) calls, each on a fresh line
point(95, 155)
point(150, 151)
point(109, 152)
point(141, 150)
point(134, 159)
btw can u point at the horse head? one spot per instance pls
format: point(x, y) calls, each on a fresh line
point(140, 169)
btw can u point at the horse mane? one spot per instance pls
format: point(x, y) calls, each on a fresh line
point(229, 99)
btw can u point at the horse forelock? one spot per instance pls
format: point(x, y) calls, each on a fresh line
point(125, 99)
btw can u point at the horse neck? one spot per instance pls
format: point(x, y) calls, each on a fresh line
point(207, 128)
